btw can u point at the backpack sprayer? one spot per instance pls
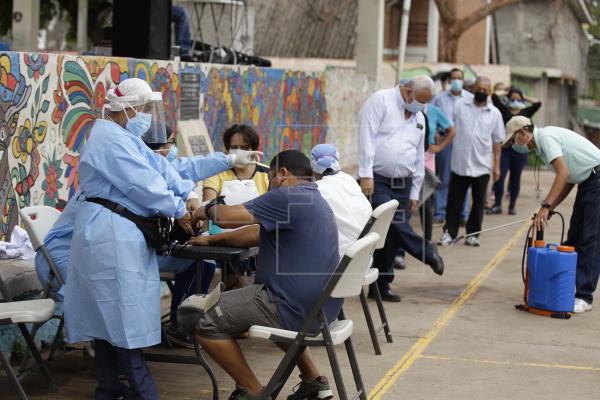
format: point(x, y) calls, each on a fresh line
point(548, 272)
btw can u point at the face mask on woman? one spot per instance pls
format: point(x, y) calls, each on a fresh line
point(516, 104)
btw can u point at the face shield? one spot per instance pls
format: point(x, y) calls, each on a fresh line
point(153, 111)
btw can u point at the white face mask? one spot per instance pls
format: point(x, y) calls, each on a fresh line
point(236, 151)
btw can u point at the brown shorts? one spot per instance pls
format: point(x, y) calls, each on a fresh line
point(236, 311)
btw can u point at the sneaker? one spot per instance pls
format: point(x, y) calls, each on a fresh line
point(472, 241)
point(581, 306)
point(445, 240)
point(438, 221)
point(317, 389)
point(399, 262)
point(463, 223)
point(179, 338)
point(512, 211)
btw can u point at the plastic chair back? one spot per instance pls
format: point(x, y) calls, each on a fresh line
point(38, 220)
point(358, 256)
point(382, 219)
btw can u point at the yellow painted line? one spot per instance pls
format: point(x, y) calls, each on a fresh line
point(512, 363)
point(419, 347)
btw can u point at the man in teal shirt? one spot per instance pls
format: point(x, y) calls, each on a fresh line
point(576, 161)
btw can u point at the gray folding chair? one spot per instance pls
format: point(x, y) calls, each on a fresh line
point(38, 220)
point(21, 313)
point(380, 222)
point(345, 282)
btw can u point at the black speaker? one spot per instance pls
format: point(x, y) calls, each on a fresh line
point(142, 29)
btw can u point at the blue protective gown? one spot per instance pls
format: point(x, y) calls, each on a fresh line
point(58, 239)
point(113, 289)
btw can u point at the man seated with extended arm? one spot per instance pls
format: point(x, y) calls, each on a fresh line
point(298, 251)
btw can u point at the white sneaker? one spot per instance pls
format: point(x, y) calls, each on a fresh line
point(445, 240)
point(582, 306)
point(472, 241)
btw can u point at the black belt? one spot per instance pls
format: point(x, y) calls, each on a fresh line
point(593, 175)
point(394, 183)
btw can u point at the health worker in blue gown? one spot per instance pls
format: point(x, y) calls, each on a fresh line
point(112, 295)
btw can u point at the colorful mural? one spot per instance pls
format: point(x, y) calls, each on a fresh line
point(287, 108)
point(48, 103)
point(47, 107)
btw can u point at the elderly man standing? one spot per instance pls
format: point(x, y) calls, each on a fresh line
point(445, 101)
point(391, 166)
point(475, 154)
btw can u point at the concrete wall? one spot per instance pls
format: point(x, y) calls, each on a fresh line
point(540, 33)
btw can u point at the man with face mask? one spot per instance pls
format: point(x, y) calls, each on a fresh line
point(391, 166)
point(445, 101)
point(475, 155)
point(575, 161)
point(297, 236)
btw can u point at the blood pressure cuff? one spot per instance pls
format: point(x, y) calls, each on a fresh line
point(156, 230)
point(193, 308)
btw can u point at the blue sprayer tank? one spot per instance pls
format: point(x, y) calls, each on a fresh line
point(551, 277)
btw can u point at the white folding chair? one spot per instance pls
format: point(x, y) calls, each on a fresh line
point(380, 222)
point(38, 220)
point(346, 281)
point(21, 313)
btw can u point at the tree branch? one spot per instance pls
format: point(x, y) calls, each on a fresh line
point(446, 11)
point(465, 23)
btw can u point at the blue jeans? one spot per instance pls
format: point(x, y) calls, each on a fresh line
point(112, 361)
point(513, 162)
point(183, 36)
point(400, 234)
point(443, 171)
point(584, 235)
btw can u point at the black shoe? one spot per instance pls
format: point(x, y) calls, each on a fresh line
point(496, 210)
point(241, 394)
point(386, 295)
point(463, 223)
point(186, 58)
point(179, 338)
point(399, 262)
point(512, 211)
point(437, 264)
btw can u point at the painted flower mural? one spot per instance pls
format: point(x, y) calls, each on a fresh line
point(36, 64)
point(51, 184)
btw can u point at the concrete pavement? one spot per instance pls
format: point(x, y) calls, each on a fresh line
point(455, 337)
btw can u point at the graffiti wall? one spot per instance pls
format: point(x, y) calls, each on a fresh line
point(47, 106)
point(48, 103)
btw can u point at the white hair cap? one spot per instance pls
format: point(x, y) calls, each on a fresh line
point(131, 92)
point(420, 83)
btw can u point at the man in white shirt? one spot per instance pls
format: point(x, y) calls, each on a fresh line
point(446, 101)
point(475, 155)
point(391, 166)
point(351, 208)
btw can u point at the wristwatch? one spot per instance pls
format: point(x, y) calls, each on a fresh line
point(212, 203)
point(547, 205)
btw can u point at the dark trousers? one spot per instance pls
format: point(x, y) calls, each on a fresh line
point(443, 172)
point(459, 185)
point(113, 361)
point(512, 162)
point(426, 216)
point(183, 35)
point(400, 234)
point(584, 235)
